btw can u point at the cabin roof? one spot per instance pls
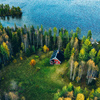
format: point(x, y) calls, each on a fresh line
point(57, 54)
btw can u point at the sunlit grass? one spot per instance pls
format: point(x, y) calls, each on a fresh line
point(37, 81)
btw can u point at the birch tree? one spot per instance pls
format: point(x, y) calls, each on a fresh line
point(76, 43)
point(75, 69)
point(71, 61)
point(81, 70)
point(91, 70)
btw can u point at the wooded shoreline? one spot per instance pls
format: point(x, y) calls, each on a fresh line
point(6, 10)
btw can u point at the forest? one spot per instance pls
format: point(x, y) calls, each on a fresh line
point(81, 64)
point(5, 10)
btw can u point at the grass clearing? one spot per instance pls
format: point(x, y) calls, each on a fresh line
point(38, 84)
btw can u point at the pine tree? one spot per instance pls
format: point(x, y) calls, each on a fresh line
point(98, 57)
point(67, 52)
point(89, 35)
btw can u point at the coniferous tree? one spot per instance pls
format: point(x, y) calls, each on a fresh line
point(89, 35)
point(67, 52)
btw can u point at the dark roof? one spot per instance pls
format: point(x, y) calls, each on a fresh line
point(58, 54)
point(54, 54)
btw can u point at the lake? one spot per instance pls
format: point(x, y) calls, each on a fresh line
point(68, 14)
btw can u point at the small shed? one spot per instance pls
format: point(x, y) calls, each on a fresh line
point(57, 57)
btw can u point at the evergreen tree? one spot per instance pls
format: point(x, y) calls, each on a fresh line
point(67, 52)
point(98, 57)
point(89, 35)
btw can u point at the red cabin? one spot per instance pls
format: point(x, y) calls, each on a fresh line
point(57, 57)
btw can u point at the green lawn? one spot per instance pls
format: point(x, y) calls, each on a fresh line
point(38, 85)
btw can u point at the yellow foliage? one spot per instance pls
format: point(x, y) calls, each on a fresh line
point(22, 98)
point(60, 98)
point(76, 40)
point(87, 99)
point(82, 51)
point(14, 61)
point(21, 58)
point(70, 94)
point(80, 96)
point(67, 98)
point(91, 93)
point(98, 90)
point(93, 50)
point(13, 96)
point(87, 42)
point(6, 47)
point(45, 48)
point(33, 62)
point(75, 64)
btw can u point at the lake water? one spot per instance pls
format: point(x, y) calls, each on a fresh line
point(69, 14)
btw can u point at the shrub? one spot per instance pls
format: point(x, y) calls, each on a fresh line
point(21, 58)
point(13, 96)
point(77, 90)
point(22, 98)
point(32, 62)
point(36, 57)
point(70, 87)
point(14, 61)
point(56, 96)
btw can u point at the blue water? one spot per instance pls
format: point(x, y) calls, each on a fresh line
point(69, 14)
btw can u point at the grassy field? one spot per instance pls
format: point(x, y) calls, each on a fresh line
point(37, 84)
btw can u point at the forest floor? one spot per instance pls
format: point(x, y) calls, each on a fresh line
point(39, 82)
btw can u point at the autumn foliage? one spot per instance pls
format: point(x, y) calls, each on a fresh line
point(45, 48)
point(21, 58)
point(33, 62)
